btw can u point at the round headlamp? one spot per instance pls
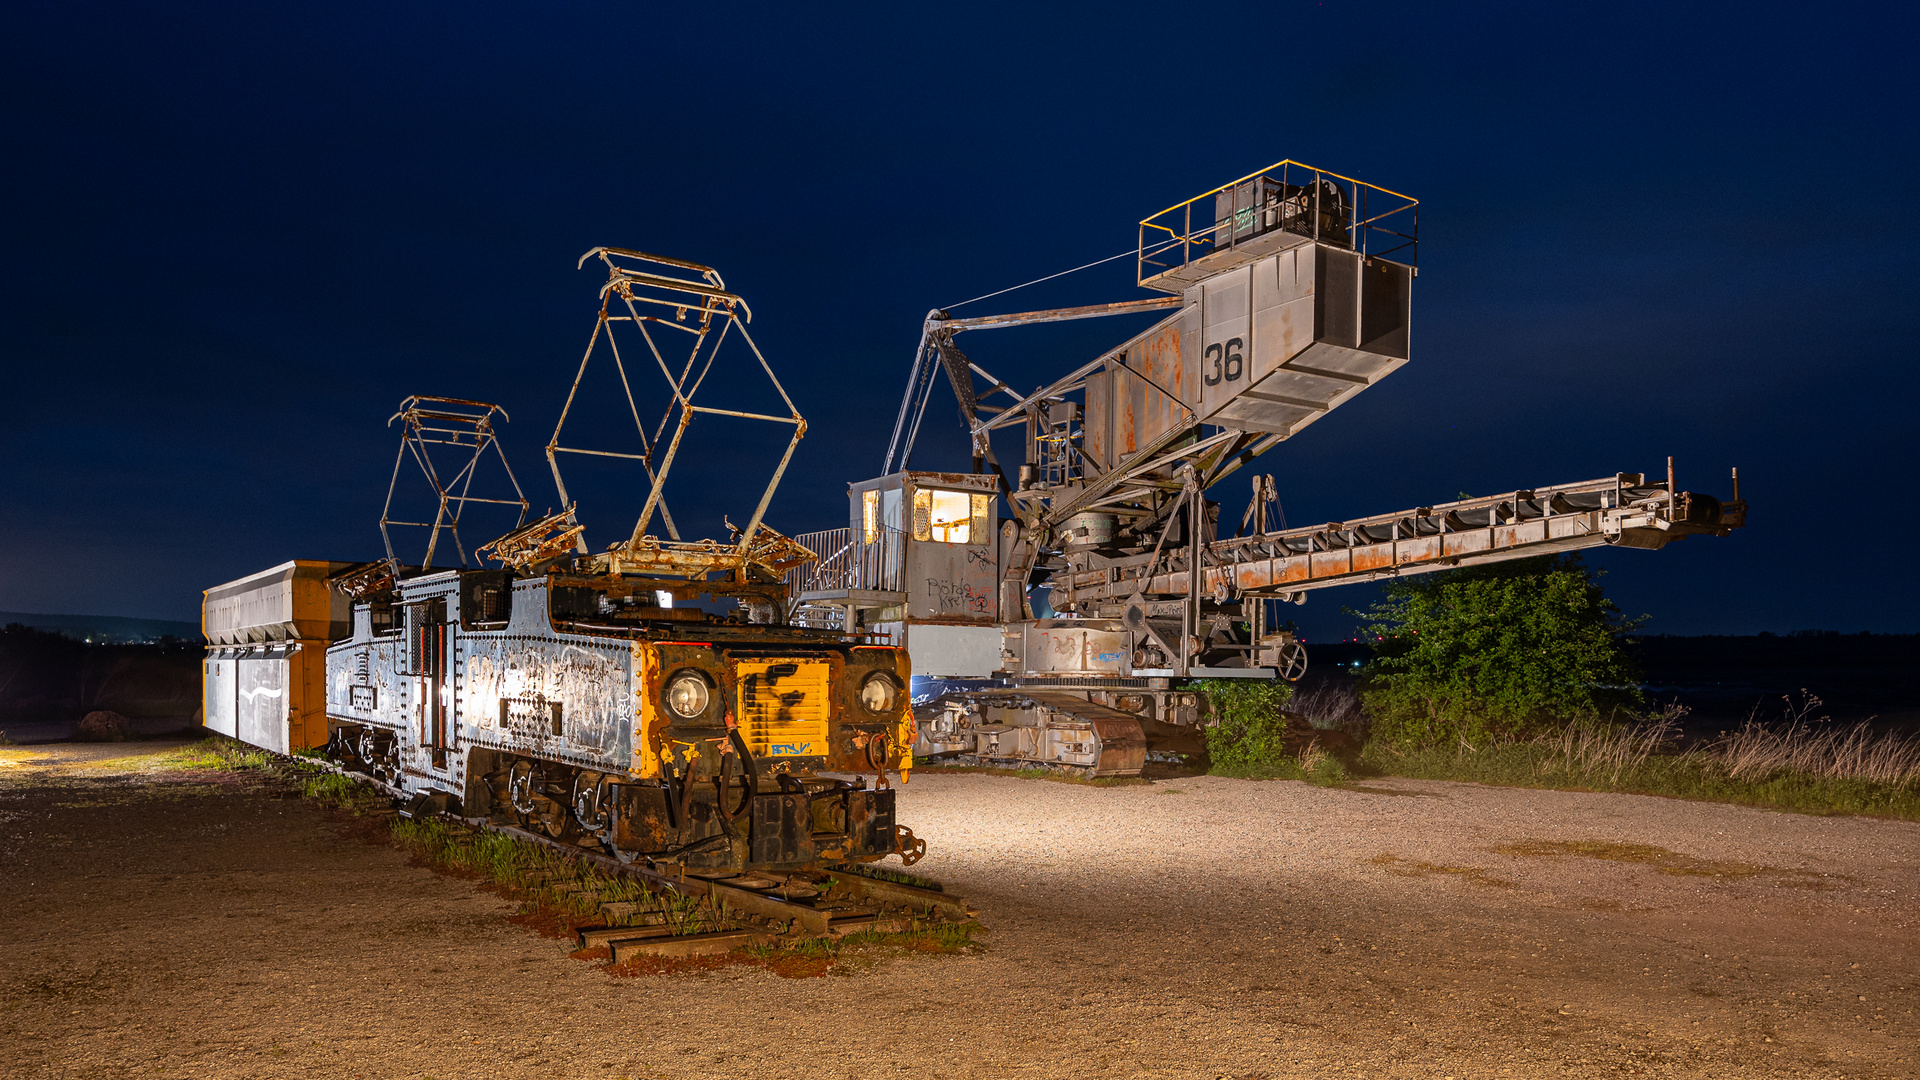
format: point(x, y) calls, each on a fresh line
point(687, 694)
point(878, 694)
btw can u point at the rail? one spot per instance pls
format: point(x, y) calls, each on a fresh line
point(843, 565)
point(1286, 196)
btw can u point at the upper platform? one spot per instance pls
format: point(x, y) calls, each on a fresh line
point(1282, 206)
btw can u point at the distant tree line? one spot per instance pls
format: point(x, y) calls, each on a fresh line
point(47, 677)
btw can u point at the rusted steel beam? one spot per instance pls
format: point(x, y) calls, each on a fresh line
point(812, 920)
point(715, 944)
point(1621, 510)
point(1029, 318)
point(907, 895)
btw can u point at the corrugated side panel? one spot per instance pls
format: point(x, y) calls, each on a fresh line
point(784, 706)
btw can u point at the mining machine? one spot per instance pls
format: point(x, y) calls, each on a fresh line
point(648, 700)
point(1070, 634)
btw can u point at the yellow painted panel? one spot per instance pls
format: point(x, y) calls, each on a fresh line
point(784, 706)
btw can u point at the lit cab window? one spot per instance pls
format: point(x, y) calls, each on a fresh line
point(870, 517)
point(950, 517)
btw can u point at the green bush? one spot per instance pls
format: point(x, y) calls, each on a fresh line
point(1485, 654)
point(1248, 737)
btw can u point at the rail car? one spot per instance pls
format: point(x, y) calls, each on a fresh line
point(584, 707)
point(648, 699)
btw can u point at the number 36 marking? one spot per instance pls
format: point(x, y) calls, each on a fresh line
point(1227, 362)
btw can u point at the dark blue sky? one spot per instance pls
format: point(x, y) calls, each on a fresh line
point(235, 238)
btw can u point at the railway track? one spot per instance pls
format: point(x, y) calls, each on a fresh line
point(741, 909)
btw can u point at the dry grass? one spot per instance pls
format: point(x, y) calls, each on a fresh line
point(1801, 762)
point(1332, 706)
point(1590, 751)
point(1812, 745)
point(1314, 758)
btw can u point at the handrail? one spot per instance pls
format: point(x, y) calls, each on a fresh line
point(845, 564)
point(1317, 208)
point(1282, 163)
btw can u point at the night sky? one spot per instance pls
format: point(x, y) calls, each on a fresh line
point(235, 238)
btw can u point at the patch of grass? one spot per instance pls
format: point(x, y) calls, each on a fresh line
point(557, 894)
point(1806, 745)
point(1312, 765)
point(215, 754)
point(1394, 864)
point(1253, 738)
point(936, 938)
point(817, 957)
point(1662, 860)
point(345, 794)
point(497, 857)
point(809, 959)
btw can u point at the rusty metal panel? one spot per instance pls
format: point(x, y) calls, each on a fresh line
point(262, 690)
point(1158, 385)
point(1096, 429)
point(1282, 310)
point(1292, 569)
point(220, 694)
point(1327, 563)
point(1144, 391)
point(1420, 549)
point(1049, 647)
point(508, 686)
point(1373, 557)
point(1225, 338)
point(1466, 543)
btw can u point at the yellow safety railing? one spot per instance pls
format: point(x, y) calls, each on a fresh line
point(1288, 196)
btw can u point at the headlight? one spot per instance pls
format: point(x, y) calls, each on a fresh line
point(878, 693)
point(687, 694)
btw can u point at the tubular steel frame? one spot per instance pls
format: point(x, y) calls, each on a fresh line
point(427, 422)
point(654, 284)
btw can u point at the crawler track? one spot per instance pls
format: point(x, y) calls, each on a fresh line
point(759, 910)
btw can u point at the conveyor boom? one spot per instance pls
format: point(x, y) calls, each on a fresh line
point(1621, 510)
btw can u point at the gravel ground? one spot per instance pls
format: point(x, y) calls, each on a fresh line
point(156, 925)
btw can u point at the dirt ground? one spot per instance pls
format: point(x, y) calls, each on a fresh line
point(172, 924)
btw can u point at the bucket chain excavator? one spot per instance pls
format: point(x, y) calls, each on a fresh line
point(1070, 634)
